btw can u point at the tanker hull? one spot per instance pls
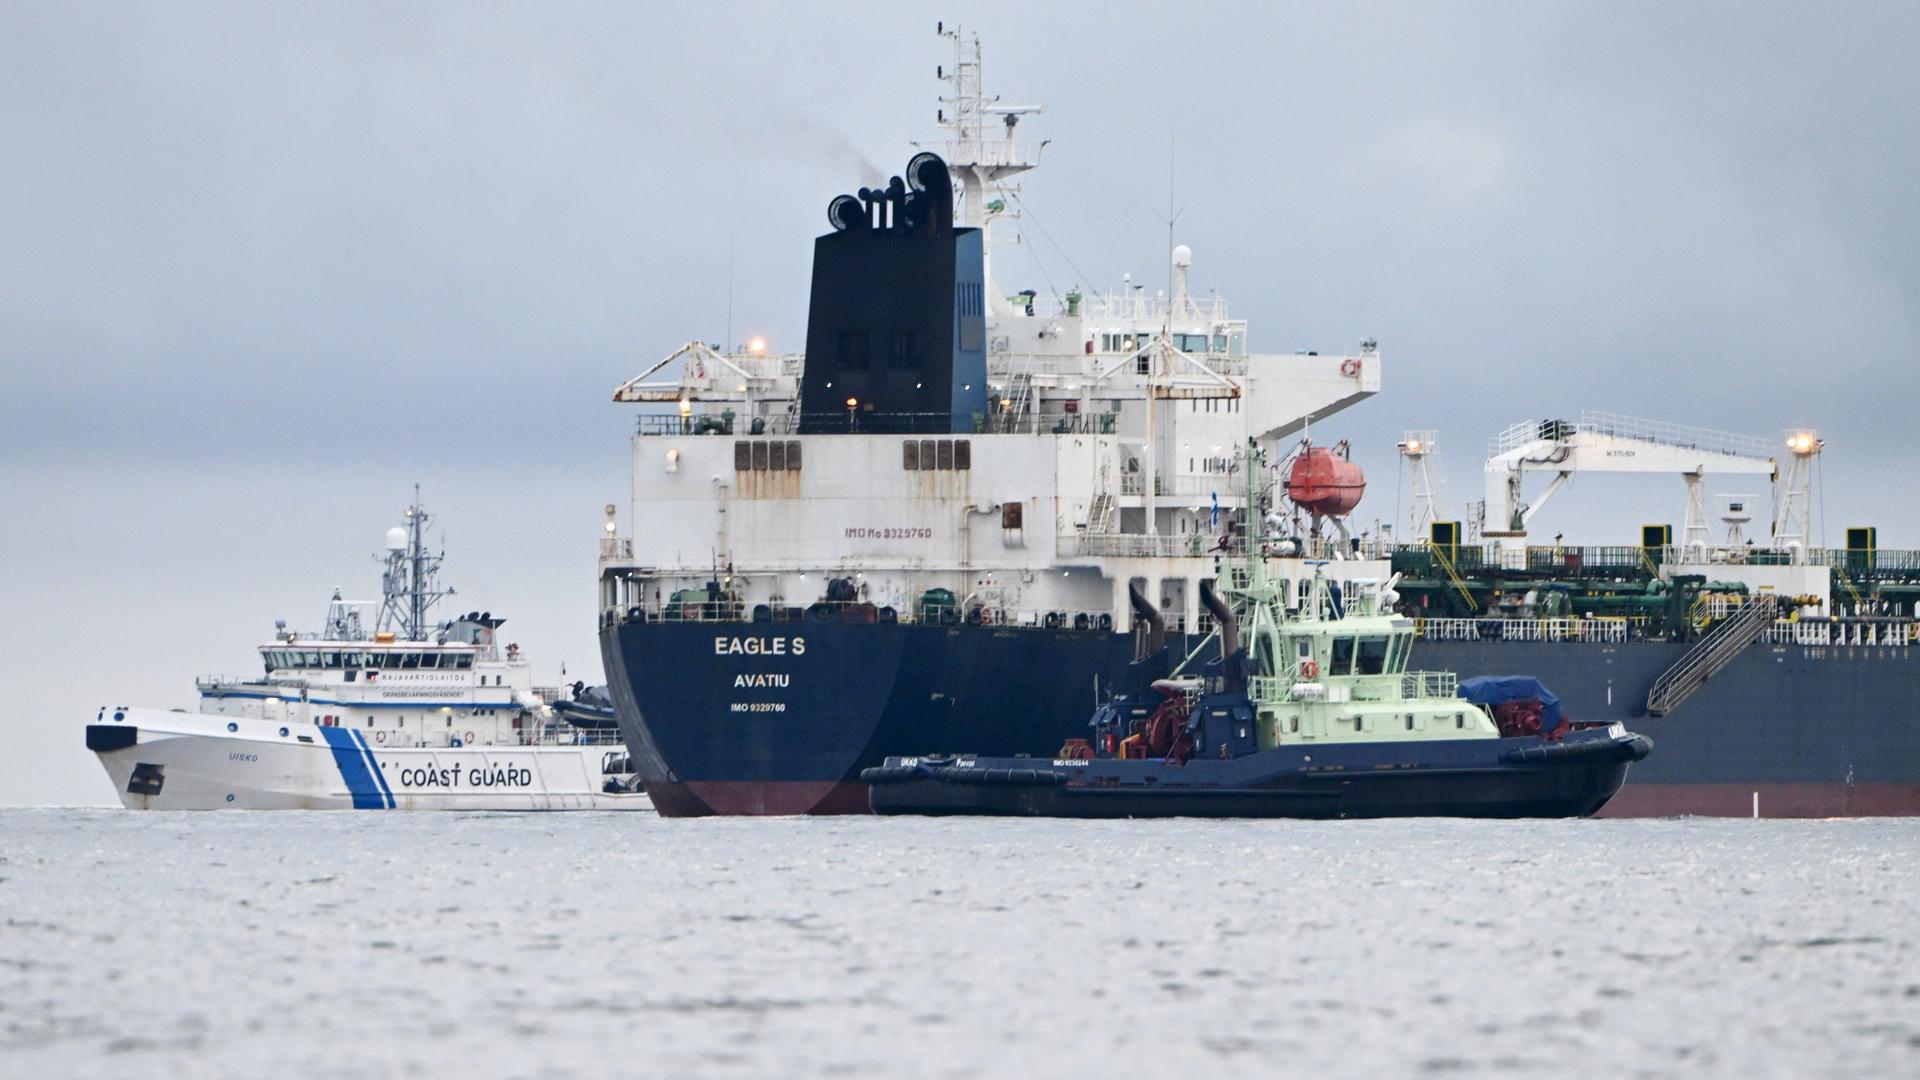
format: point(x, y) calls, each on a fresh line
point(724, 720)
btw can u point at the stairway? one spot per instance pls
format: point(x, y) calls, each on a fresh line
point(1446, 564)
point(1100, 516)
point(1710, 654)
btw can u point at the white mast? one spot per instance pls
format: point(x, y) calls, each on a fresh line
point(978, 161)
point(408, 584)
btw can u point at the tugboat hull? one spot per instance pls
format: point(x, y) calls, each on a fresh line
point(1488, 778)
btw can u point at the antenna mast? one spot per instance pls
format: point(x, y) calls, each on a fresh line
point(409, 585)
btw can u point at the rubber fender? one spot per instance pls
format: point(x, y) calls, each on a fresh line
point(891, 774)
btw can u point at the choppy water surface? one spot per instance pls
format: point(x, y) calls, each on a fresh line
point(589, 945)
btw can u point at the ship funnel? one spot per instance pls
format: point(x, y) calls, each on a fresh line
point(1156, 626)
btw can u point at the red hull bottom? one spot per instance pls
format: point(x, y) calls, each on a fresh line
point(747, 798)
point(1814, 800)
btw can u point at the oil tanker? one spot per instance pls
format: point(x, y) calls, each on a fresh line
point(952, 523)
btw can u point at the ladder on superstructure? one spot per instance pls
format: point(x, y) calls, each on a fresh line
point(1101, 514)
point(1710, 655)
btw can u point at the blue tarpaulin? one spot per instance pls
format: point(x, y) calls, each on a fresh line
point(1489, 690)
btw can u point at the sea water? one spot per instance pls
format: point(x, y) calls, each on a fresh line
point(593, 945)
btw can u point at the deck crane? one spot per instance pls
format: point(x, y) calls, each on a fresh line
point(1604, 442)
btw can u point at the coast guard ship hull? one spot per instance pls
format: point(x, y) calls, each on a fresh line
point(161, 760)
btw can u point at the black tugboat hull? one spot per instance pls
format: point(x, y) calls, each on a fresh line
point(1483, 778)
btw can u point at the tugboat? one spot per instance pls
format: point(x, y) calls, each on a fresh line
point(1313, 715)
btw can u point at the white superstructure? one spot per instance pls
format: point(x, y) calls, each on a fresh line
point(1108, 455)
point(409, 715)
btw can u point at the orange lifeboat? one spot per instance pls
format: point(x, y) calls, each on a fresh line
point(1322, 482)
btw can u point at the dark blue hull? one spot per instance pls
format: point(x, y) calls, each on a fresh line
point(1488, 778)
point(722, 719)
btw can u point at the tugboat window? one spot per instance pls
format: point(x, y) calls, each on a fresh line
point(1372, 656)
point(1342, 657)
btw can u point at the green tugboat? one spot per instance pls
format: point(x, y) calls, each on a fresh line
point(1309, 711)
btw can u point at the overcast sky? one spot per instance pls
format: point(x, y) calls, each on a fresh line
point(264, 266)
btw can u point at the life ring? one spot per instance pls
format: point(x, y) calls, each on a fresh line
point(469, 738)
point(380, 737)
point(1350, 366)
point(986, 617)
point(1309, 669)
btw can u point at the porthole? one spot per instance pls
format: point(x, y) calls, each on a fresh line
point(283, 733)
point(232, 726)
point(119, 716)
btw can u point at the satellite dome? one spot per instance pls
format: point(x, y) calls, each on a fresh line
point(396, 539)
point(1183, 256)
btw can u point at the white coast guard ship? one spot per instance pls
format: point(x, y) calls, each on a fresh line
point(413, 716)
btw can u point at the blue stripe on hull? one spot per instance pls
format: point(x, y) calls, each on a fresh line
point(373, 766)
point(351, 760)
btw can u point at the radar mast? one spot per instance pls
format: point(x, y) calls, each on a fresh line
point(410, 583)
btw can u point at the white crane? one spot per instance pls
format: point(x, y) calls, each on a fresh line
point(1604, 442)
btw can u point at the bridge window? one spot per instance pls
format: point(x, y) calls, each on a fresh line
point(1342, 662)
point(1371, 658)
point(463, 661)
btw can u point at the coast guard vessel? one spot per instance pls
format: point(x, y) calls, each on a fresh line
point(946, 524)
point(410, 715)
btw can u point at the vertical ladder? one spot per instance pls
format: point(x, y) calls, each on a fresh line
point(1710, 654)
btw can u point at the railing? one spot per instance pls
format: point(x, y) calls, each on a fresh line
point(932, 615)
point(1629, 427)
point(1428, 684)
point(1131, 307)
point(1602, 630)
point(1898, 633)
point(1182, 484)
point(1710, 655)
point(1144, 546)
point(836, 422)
point(221, 682)
point(1395, 686)
point(616, 547)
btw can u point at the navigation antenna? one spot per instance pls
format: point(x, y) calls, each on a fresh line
point(979, 163)
point(409, 585)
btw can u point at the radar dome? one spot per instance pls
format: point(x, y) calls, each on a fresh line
point(396, 539)
point(1183, 256)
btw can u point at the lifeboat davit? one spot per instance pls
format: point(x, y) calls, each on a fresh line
point(1324, 483)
